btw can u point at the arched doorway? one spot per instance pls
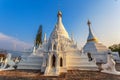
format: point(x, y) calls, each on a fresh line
point(61, 62)
point(53, 61)
point(54, 47)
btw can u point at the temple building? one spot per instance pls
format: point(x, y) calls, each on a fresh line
point(58, 54)
point(97, 49)
point(62, 52)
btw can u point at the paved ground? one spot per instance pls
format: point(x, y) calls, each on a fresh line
point(71, 75)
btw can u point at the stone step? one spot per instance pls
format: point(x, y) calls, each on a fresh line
point(80, 62)
point(24, 63)
point(28, 67)
point(31, 61)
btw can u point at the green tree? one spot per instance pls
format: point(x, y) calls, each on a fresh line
point(115, 48)
point(38, 40)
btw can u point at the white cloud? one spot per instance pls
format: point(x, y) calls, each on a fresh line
point(11, 43)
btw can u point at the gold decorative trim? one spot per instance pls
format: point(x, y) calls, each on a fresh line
point(94, 39)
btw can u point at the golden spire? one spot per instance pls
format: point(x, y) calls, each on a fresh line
point(91, 37)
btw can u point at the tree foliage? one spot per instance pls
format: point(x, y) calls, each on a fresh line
point(115, 48)
point(38, 40)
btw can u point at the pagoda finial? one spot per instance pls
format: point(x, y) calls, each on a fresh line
point(59, 14)
point(89, 23)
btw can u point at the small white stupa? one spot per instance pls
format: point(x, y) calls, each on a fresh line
point(97, 49)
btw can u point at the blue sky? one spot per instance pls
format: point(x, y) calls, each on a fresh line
point(21, 18)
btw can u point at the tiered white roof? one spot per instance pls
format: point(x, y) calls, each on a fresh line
point(93, 47)
point(59, 28)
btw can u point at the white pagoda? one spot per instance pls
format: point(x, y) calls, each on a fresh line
point(63, 53)
point(58, 54)
point(97, 49)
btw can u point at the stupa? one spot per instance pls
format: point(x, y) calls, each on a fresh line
point(63, 54)
point(58, 54)
point(97, 49)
